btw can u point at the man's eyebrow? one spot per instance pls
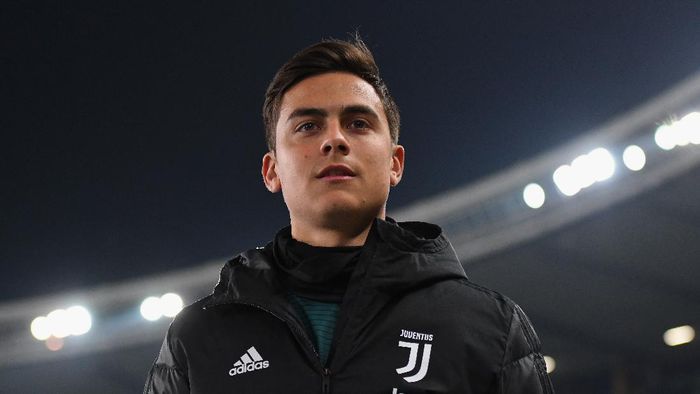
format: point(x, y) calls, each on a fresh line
point(301, 112)
point(359, 109)
point(347, 110)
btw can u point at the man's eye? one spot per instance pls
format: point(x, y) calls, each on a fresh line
point(308, 126)
point(359, 124)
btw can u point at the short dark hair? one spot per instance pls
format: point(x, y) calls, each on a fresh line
point(329, 55)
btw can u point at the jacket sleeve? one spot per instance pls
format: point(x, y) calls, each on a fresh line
point(166, 374)
point(523, 370)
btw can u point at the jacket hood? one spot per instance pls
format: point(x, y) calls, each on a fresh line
point(408, 255)
point(395, 258)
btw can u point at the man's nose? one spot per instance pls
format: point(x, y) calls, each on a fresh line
point(335, 141)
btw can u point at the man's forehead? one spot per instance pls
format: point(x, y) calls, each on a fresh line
point(365, 90)
point(330, 90)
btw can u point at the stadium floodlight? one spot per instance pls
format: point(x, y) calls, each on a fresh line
point(634, 158)
point(664, 137)
point(59, 323)
point(681, 134)
point(79, 320)
point(534, 195)
point(679, 335)
point(40, 328)
point(170, 304)
point(583, 168)
point(689, 127)
point(602, 164)
point(151, 309)
point(565, 179)
point(550, 363)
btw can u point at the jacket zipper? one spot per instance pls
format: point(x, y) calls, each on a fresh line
point(325, 372)
point(326, 384)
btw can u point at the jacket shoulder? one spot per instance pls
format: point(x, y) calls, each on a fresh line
point(522, 367)
point(511, 315)
point(484, 298)
point(169, 373)
point(189, 320)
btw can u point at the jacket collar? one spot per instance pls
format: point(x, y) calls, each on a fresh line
point(396, 258)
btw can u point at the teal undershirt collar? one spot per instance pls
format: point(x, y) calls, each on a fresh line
point(320, 318)
point(316, 279)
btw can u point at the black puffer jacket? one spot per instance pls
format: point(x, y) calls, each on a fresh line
point(410, 322)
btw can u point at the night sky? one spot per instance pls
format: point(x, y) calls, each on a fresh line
point(132, 137)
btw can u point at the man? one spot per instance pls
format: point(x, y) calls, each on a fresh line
point(345, 300)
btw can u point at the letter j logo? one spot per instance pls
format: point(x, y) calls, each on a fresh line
point(412, 358)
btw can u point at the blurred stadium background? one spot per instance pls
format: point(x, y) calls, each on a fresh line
point(598, 240)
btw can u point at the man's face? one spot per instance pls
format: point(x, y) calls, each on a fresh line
point(334, 158)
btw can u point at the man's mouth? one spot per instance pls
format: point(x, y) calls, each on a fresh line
point(336, 172)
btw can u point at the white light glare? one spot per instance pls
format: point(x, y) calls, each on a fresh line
point(59, 323)
point(40, 328)
point(602, 164)
point(565, 179)
point(679, 335)
point(679, 133)
point(595, 166)
point(534, 195)
point(153, 308)
point(689, 127)
point(150, 309)
point(79, 320)
point(582, 174)
point(550, 363)
point(634, 158)
point(664, 137)
point(171, 304)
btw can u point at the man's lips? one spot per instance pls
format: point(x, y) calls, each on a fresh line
point(336, 171)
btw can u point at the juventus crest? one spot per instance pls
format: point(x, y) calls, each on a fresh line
point(417, 350)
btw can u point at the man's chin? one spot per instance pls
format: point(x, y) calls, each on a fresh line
point(341, 213)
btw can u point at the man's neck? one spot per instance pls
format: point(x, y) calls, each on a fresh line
point(349, 233)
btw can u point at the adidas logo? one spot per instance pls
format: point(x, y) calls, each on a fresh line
point(249, 361)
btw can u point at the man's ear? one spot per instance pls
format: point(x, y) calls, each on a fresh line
point(397, 160)
point(269, 172)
